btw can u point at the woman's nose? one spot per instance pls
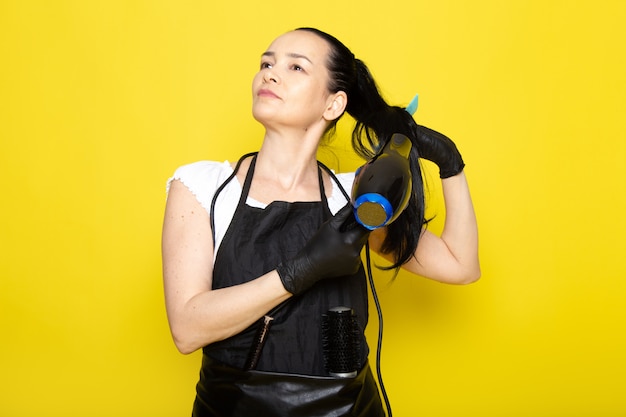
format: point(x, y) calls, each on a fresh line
point(270, 76)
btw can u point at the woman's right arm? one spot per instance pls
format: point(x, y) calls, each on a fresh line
point(197, 314)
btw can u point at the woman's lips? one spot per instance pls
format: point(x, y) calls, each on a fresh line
point(266, 93)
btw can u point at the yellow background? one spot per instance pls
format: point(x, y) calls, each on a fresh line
point(102, 100)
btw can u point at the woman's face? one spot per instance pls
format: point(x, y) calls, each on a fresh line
point(290, 88)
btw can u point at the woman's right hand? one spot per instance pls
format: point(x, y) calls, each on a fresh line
point(334, 251)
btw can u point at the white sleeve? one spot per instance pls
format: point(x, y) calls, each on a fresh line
point(202, 178)
point(337, 199)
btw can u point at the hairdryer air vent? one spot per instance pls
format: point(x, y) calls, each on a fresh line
point(372, 210)
point(371, 214)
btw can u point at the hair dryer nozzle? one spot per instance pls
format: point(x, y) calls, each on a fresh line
point(382, 187)
point(372, 210)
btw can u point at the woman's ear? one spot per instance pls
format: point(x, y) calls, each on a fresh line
point(337, 103)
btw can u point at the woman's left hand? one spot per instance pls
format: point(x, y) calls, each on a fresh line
point(440, 149)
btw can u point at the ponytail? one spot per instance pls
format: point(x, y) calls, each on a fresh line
point(376, 122)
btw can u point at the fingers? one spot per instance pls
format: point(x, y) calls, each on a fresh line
point(342, 218)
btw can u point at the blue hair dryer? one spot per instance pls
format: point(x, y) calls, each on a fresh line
point(382, 187)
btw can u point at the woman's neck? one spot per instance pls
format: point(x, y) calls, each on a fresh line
point(286, 169)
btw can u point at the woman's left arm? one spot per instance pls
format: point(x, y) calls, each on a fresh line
point(452, 257)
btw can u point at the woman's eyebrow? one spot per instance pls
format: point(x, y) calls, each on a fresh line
point(292, 55)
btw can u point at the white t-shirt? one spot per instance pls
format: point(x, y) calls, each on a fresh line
point(204, 177)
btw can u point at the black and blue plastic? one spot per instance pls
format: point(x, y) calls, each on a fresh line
point(382, 187)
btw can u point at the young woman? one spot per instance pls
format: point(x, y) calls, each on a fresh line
point(261, 242)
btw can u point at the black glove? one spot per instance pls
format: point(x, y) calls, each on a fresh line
point(333, 251)
point(439, 149)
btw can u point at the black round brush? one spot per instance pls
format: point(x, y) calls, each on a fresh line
point(340, 342)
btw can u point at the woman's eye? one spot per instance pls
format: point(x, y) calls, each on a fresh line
point(296, 67)
point(265, 65)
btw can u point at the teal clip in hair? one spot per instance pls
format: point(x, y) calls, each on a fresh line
point(412, 107)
